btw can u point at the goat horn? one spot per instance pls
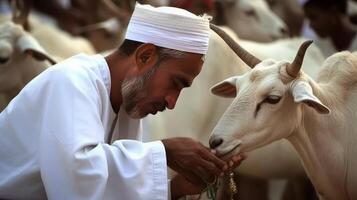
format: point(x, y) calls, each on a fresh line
point(20, 12)
point(115, 10)
point(248, 58)
point(294, 68)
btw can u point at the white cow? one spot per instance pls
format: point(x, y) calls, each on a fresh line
point(277, 100)
point(251, 20)
point(21, 59)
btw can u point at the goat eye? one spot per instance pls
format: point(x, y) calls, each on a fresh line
point(3, 60)
point(272, 99)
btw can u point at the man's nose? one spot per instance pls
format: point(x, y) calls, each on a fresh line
point(171, 99)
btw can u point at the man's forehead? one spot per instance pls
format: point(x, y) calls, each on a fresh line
point(187, 67)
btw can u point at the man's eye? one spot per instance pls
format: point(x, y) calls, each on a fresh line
point(272, 99)
point(181, 83)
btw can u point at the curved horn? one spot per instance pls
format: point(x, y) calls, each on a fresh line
point(115, 10)
point(20, 12)
point(248, 58)
point(294, 68)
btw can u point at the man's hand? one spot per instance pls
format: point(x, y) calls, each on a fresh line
point(180, 186)
point(235, 160)
point(193, 160)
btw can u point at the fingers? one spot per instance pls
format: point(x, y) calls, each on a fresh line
point(236, 160)
point(195, 161)
point(211, 157)
point(208, 171)
point(191, 177)
point(205, 176)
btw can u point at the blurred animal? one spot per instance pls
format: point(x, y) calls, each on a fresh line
point(250, 20)
point(57, 42)
point(291, 12)
point(21, 59)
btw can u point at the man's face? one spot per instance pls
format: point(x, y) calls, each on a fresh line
point(159, 87)
point(321, 21)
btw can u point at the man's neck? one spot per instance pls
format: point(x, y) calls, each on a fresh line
point(118, 66)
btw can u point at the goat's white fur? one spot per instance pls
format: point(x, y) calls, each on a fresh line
point(325, 143)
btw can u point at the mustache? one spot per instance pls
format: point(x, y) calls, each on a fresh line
point(160, 106)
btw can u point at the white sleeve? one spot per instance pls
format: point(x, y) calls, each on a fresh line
point(76, 163)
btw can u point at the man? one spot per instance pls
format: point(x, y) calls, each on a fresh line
point(71, 133)
point(330, 21)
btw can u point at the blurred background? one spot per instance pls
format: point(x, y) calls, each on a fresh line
point(103, 22)
point(267, 28)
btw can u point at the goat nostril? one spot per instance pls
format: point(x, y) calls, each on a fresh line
point(213, 143)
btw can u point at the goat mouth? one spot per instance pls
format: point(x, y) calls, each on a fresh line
point(230, 151)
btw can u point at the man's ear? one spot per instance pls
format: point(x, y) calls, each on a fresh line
point(146, 56)
point(302, 93)
point(226, 88)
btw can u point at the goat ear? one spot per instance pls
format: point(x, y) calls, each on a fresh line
point(27, 44)
point(226, 88)
point(302, 93)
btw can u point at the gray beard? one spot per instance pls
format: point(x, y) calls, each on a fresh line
point(133, 90)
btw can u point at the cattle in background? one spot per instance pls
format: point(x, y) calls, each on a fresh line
point(291, 12)
point(250, 20)
point(23, 54)
point(21, 59)
point(57, 42)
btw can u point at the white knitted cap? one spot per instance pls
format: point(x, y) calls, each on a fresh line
point(169, 27)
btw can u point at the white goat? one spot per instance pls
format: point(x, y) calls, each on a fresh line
point(277, 100)
point(21, 59)
point(199, 111)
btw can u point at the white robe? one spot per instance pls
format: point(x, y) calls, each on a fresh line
point(54, 140)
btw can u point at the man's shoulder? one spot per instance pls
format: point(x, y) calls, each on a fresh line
point(80, 63)
point(80, 72)
point(81, 67)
